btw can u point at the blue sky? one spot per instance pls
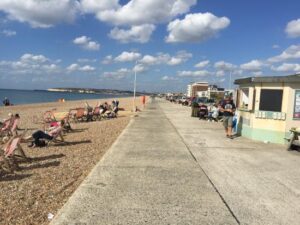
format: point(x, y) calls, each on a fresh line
point(96, 43)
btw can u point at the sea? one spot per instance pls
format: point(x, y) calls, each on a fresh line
point(19, 97)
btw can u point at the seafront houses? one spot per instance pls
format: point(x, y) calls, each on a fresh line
point(268, 107)
point(203, 89)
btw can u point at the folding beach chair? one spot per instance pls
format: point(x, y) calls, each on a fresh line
point(5, 164)
point(56, 133)
point(78, 114)
point(96, 113)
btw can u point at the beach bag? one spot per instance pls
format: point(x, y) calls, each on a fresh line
point(41, 143)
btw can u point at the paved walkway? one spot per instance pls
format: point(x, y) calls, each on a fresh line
point(169, 168)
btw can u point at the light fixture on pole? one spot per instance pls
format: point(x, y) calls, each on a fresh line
point(134, 87)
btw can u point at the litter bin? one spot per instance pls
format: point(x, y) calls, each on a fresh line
point(195, 109)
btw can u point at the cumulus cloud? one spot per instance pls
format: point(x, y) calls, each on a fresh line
point(139, 68)
point(292, 52)
point(254, 65)
point(128, 57)
point(138, 12)
point(196, 27)
point(86, 43)
point(224, 66)
point(163, 58)
point(200, 73)
point(139, 33)
point(117, 75)
point(9, 33)
point(75, 68)
point(287, 67)
point(97, 6)
point(293, 28)
point(202, 64)
point(41, 14)
point(107, 60)
point(31, 65)
point(168, 78)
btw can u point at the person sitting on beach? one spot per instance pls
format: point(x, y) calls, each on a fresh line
point(39, 136)
point(6, 102)
point(213, 113)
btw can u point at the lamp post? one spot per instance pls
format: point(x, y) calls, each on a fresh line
point(134, 87)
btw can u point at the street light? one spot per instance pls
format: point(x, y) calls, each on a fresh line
point(134, 87)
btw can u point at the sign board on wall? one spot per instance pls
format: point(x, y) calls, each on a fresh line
point(296, 114)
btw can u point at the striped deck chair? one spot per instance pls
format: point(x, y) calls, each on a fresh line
point(78, 114)
point(6, 127)
point(56, 133)
point(96, 113)
point(13, 146)
point(5, 164)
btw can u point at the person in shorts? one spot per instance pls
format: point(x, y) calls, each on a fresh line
point(228, 109)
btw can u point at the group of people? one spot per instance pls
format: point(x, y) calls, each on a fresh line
point(225, 109)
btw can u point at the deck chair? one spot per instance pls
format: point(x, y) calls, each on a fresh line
point(96, 113)
point(9, 127)
point(5, 164)
point(78, 114)
point(56, 133)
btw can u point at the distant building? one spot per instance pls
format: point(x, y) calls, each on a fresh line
point(268, 107)
point(195, 88)
point(189, 91)
point(213, 91)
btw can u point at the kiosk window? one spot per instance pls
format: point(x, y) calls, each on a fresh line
point(270, 100)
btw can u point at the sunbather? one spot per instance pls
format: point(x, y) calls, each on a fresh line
point(39, 135)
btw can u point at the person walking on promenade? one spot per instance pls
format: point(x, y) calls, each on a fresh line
point(228, 108)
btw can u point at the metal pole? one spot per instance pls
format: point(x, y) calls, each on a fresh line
point(230, 79)
point(134, 87)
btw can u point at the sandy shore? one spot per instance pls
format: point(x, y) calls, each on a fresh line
point(45, 184)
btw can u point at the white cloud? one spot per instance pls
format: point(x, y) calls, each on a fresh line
point(128, 57)
point(9, 33)
point(137, 12)
point(139, 33)
point(220, 73)
point(117, 75)
point(254, 65)
point(224, 66)
point(200, 73)
point(196, 27)
point(40, 14)
point(292, 52)
point(34, 58)
point(84, 60)
point(95, 6)
point(163, 58)
point(139, 68)
point(75, 68)
point(275, 46)
point(287, 67)
point(168, 78)
point(107, 60)
point(30, 64)
point(149, 60)
point(293, 28)
point(86, 43)
point(202, 64)
point(181, 57)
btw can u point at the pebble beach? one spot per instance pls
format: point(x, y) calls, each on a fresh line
point(41, 187)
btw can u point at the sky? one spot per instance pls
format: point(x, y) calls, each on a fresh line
point(168, 44)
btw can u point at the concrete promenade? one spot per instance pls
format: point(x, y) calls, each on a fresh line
point(169, 168)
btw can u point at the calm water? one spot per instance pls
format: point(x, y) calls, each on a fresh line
point(18, 97)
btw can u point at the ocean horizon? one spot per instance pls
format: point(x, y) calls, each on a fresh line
point(20, 97)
